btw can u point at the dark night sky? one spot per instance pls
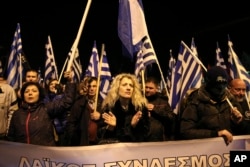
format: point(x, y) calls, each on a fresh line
point(168, 23)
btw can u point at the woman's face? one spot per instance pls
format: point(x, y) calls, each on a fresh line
point(31, 94)
point(52, 86)
point(126, 88)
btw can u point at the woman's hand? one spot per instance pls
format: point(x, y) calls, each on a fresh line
point(109, 118)
point(136, 118)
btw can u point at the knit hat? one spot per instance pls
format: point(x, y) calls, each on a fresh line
point(216, 75)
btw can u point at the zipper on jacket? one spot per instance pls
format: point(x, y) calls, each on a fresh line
point(27, 128)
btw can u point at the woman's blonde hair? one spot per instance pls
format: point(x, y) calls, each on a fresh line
point(137, 99)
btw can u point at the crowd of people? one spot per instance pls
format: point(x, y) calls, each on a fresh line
point(73, 114)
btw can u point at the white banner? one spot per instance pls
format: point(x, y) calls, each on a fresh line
point(202, 152)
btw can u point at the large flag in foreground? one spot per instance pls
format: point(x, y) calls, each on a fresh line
point(236, 69)
point(15, 69)
point(50, 63)
point(132, 30)
point(184, 76)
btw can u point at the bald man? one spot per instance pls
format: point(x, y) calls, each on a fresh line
point(238, 88)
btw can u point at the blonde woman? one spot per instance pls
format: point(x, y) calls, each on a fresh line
point(124, 111)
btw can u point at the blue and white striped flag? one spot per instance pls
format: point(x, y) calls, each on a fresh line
point(183, 77)
point(198, 77)
point(171, 65)
point(147, 52)
point(76, 66)
point(105, 76)
point(15, 68)
point(236, 69)
point(139, 66)
point(219, 58)
point(92, 69)
point(50, 63)
point(132, 30)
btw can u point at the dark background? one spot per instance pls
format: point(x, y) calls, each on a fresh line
point(168, 23)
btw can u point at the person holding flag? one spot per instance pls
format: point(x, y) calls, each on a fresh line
point(83, 120)
point(212, 111)
point(32, 123)
point(238, 88)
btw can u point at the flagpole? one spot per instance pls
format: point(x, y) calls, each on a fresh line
point(75, 44)
point(60, 77)
point(157, 62)
point(99, 77)
point(195, 57)
point(20, 70)
point(143, 82)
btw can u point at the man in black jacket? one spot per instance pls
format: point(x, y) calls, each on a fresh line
point(161, 116)
point(212, 111)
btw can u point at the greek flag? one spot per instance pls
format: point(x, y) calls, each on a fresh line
point(92, 69)
point(132, 31)
point(185, 76)
point(76, 66)
point(171, 65)
point(15, 69)
point(139, 66)
point(50, 63)
point(236, 69)
point(105, 76)
point(219, 58)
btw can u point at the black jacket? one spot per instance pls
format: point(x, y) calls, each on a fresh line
point(33, 124)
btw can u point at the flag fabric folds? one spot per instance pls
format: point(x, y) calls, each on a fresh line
point(14, 68)
point(92, 69)
point(184, 76)
point(171, 65)
point(76, 66)
point(105, 76)
point(139, 66)
point(219, 58)
point(132, 29)
point(50, 70)
point(198, 77)
point(236, 69)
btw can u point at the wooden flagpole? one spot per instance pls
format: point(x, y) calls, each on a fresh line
point(99, 78)
point(75, 44)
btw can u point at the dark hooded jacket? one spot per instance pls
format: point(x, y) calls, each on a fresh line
point(204, 117)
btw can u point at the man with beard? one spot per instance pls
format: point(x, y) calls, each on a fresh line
point(238, 88)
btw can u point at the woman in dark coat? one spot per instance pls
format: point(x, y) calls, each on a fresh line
point(124, 111)
point(33, 122)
